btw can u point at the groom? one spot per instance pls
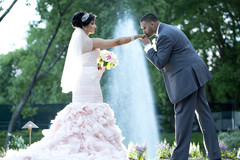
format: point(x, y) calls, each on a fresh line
point(185, 75)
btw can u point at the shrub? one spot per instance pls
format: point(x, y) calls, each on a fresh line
point(3, 133)
point(163, 150)
point(226, 152)
point(131, 152)
point(2, 153)
point(231, 138)
point(17, 142)
point(238, 154)
point(194, 151)
point(138, 152)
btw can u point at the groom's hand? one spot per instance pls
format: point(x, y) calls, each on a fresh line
point(146, 41)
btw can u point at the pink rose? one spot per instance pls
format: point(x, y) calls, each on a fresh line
point(109, 56)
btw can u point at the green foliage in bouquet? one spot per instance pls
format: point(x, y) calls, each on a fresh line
point(107, 59)
point(105, 64)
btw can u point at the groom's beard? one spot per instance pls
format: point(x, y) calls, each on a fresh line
point(150, 33)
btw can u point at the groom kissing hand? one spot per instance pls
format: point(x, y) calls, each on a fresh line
point(185, 75)
point(146, 41)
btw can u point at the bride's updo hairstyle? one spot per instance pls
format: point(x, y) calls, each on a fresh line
point(81, 19)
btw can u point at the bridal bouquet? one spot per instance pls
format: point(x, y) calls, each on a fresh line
point(107, 59)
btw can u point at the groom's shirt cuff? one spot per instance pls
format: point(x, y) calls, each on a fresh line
point(147, 47)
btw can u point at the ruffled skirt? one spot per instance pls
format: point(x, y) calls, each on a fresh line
point(79, 132)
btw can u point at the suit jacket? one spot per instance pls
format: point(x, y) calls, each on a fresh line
point(183, 70)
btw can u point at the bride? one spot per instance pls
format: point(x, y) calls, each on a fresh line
point(85, 129)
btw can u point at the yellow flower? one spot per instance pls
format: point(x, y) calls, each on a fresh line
point(108, 66)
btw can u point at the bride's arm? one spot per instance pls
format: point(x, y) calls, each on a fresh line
point(104, 44)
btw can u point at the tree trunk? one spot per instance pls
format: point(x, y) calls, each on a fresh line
point(20, 106)
point(8, 10)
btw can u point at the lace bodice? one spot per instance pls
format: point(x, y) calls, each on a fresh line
point(80, 74)
point(87, 88)
point(90, 58)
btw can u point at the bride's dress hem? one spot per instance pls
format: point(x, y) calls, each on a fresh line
point(81, 131)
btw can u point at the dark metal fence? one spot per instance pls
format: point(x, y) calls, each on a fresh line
point(45, 113)
point(224, 114)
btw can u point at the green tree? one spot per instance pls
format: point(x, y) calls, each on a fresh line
point(36, 77)
point(213, 28)
point(7, 10)
point(38, 73)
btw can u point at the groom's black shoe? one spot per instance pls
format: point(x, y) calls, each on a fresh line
point(219, 159)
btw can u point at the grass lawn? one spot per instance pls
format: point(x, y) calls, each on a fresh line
point(37, 135)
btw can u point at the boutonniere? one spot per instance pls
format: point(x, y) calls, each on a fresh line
point(154, 43)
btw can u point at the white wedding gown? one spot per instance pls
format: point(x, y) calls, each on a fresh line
point(85, 129)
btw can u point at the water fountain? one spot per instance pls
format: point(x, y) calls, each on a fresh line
point(130, 93)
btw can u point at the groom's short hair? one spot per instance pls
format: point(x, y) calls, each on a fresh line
point(149, 18)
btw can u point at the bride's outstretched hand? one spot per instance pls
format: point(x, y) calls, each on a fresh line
point(141, 36)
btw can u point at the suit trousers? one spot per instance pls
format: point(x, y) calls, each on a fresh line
point(184, 117)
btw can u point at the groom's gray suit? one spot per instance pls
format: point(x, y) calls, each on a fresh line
point(185, 74)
